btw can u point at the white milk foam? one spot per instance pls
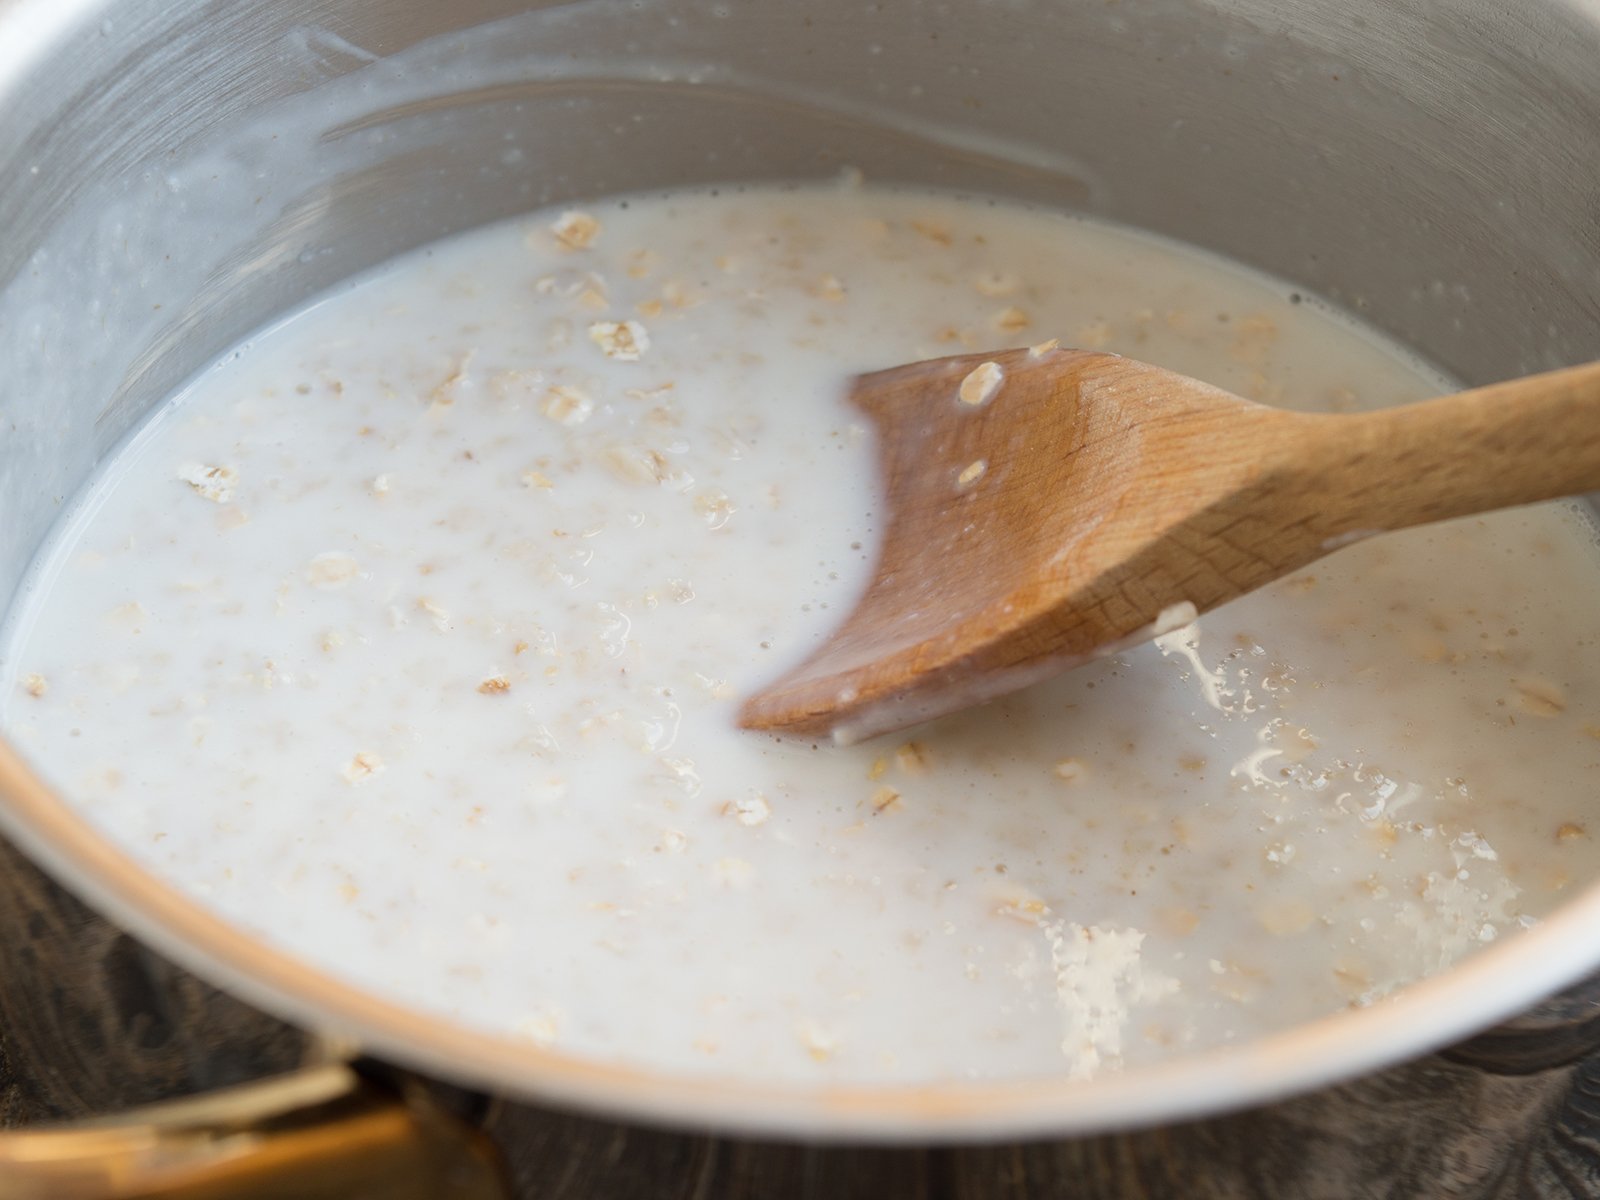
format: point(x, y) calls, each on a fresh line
point(409, 638)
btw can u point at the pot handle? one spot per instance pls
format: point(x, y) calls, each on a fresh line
point(323, 1133)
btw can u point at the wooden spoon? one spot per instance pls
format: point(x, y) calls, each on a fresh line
point(1049, 506)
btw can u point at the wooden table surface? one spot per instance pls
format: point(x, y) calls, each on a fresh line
point(91, 1022)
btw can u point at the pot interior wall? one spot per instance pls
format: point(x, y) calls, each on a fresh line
point(171, 177)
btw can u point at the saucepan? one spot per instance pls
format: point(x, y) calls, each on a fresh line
point(173, 175)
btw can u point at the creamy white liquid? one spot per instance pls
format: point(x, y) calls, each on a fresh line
point(410, 639)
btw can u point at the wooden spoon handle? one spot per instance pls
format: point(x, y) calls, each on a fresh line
point(1492, 447)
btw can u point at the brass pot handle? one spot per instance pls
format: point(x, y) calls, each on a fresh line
point(324, 1133)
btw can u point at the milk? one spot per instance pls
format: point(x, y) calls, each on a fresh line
point(409, 638)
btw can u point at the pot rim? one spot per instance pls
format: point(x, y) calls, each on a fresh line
point(1494, 983)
